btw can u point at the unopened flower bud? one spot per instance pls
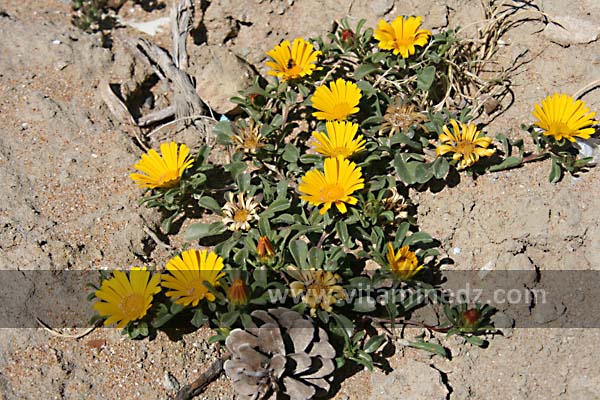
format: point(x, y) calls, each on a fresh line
point(264, 248)
point(347, 35)
point(238, 292)
point(471, 318)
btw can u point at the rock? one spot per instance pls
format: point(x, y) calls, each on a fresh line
point(566, 30)
point(220, 75)
point(547, 312)
point(413, 380)
point(170, 382)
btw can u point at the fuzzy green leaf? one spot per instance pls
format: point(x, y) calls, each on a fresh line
point(201, 230)
point(364, 70)
point(508, 163)
point(425, 78)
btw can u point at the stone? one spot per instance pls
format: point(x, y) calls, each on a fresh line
point(566, 30)
point(414, 380)
point(547, 312)
point(220, 74)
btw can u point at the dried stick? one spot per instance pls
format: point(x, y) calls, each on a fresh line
point(157, 116)
point(195, 388)
point(181, 23)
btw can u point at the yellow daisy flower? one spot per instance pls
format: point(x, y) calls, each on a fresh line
point(466, 143)
point(188, 272)
point(337, 101)
point(339, 140)
point(291, 62)
point(561, 116)
point(318, 288)
point(126, 299)
point(162, 171)
point(404, 264)
point(402, 35)
point(341, 179)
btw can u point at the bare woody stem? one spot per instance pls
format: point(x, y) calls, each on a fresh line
point(199, 385)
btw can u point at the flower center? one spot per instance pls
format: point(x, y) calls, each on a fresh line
point(241, 215)
point(132, 306)
point(560, 129)
point(331, 193)
point(292, 69)
point(465, 147)
point(340, 151)
point(168, 179)
point(341, 110)
point(194, 288)
point(404, 41)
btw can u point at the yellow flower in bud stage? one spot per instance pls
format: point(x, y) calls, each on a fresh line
point(339, 141)
point(402, 35)
point(126, 299)
point(337, 101)
point(264, 249)
point(239, 214)
point(561, 117)
point(318, 288)
point(291, 62)
point(404, 264)
point(238, 292)
point(162, 171)
point(188, 272)
point(341, 179)
point(465, 142)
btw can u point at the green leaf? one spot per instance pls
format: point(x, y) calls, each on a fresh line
point(379, 57)
point(229, 318)
point(507, 163)
point(374, 343)
point(367, 88)
point(364, 304)
point(209, 203)
point(440, 167)
point(475, 340)
point(275, 207)
point(422, 173)
point(223, 131)
point(417, 237)
point(291, 153)
point(434, 348)
point(247, 321)
point(364, 70)
point(201, 230)
point(316, 257)
point(555, 171)
point(425, 78)
point(299, 251)
point(346, 326)
point(342, 231)
point(199, 319)
point(405, 170)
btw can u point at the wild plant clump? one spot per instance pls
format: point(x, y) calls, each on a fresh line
point(310, 224)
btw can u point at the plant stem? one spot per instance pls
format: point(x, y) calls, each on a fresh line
point(195, 388)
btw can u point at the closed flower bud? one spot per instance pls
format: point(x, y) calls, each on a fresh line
point(238, 292)
point(471, 318)
point(264, 249)
point(347, 35)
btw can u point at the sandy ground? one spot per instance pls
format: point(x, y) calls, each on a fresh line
point(66, 202)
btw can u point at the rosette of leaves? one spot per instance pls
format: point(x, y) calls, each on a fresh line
point(280, 351)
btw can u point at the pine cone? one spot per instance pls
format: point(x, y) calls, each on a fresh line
point(282, 351)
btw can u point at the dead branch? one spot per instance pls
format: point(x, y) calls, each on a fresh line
point(181, 23)
point(195, 388)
